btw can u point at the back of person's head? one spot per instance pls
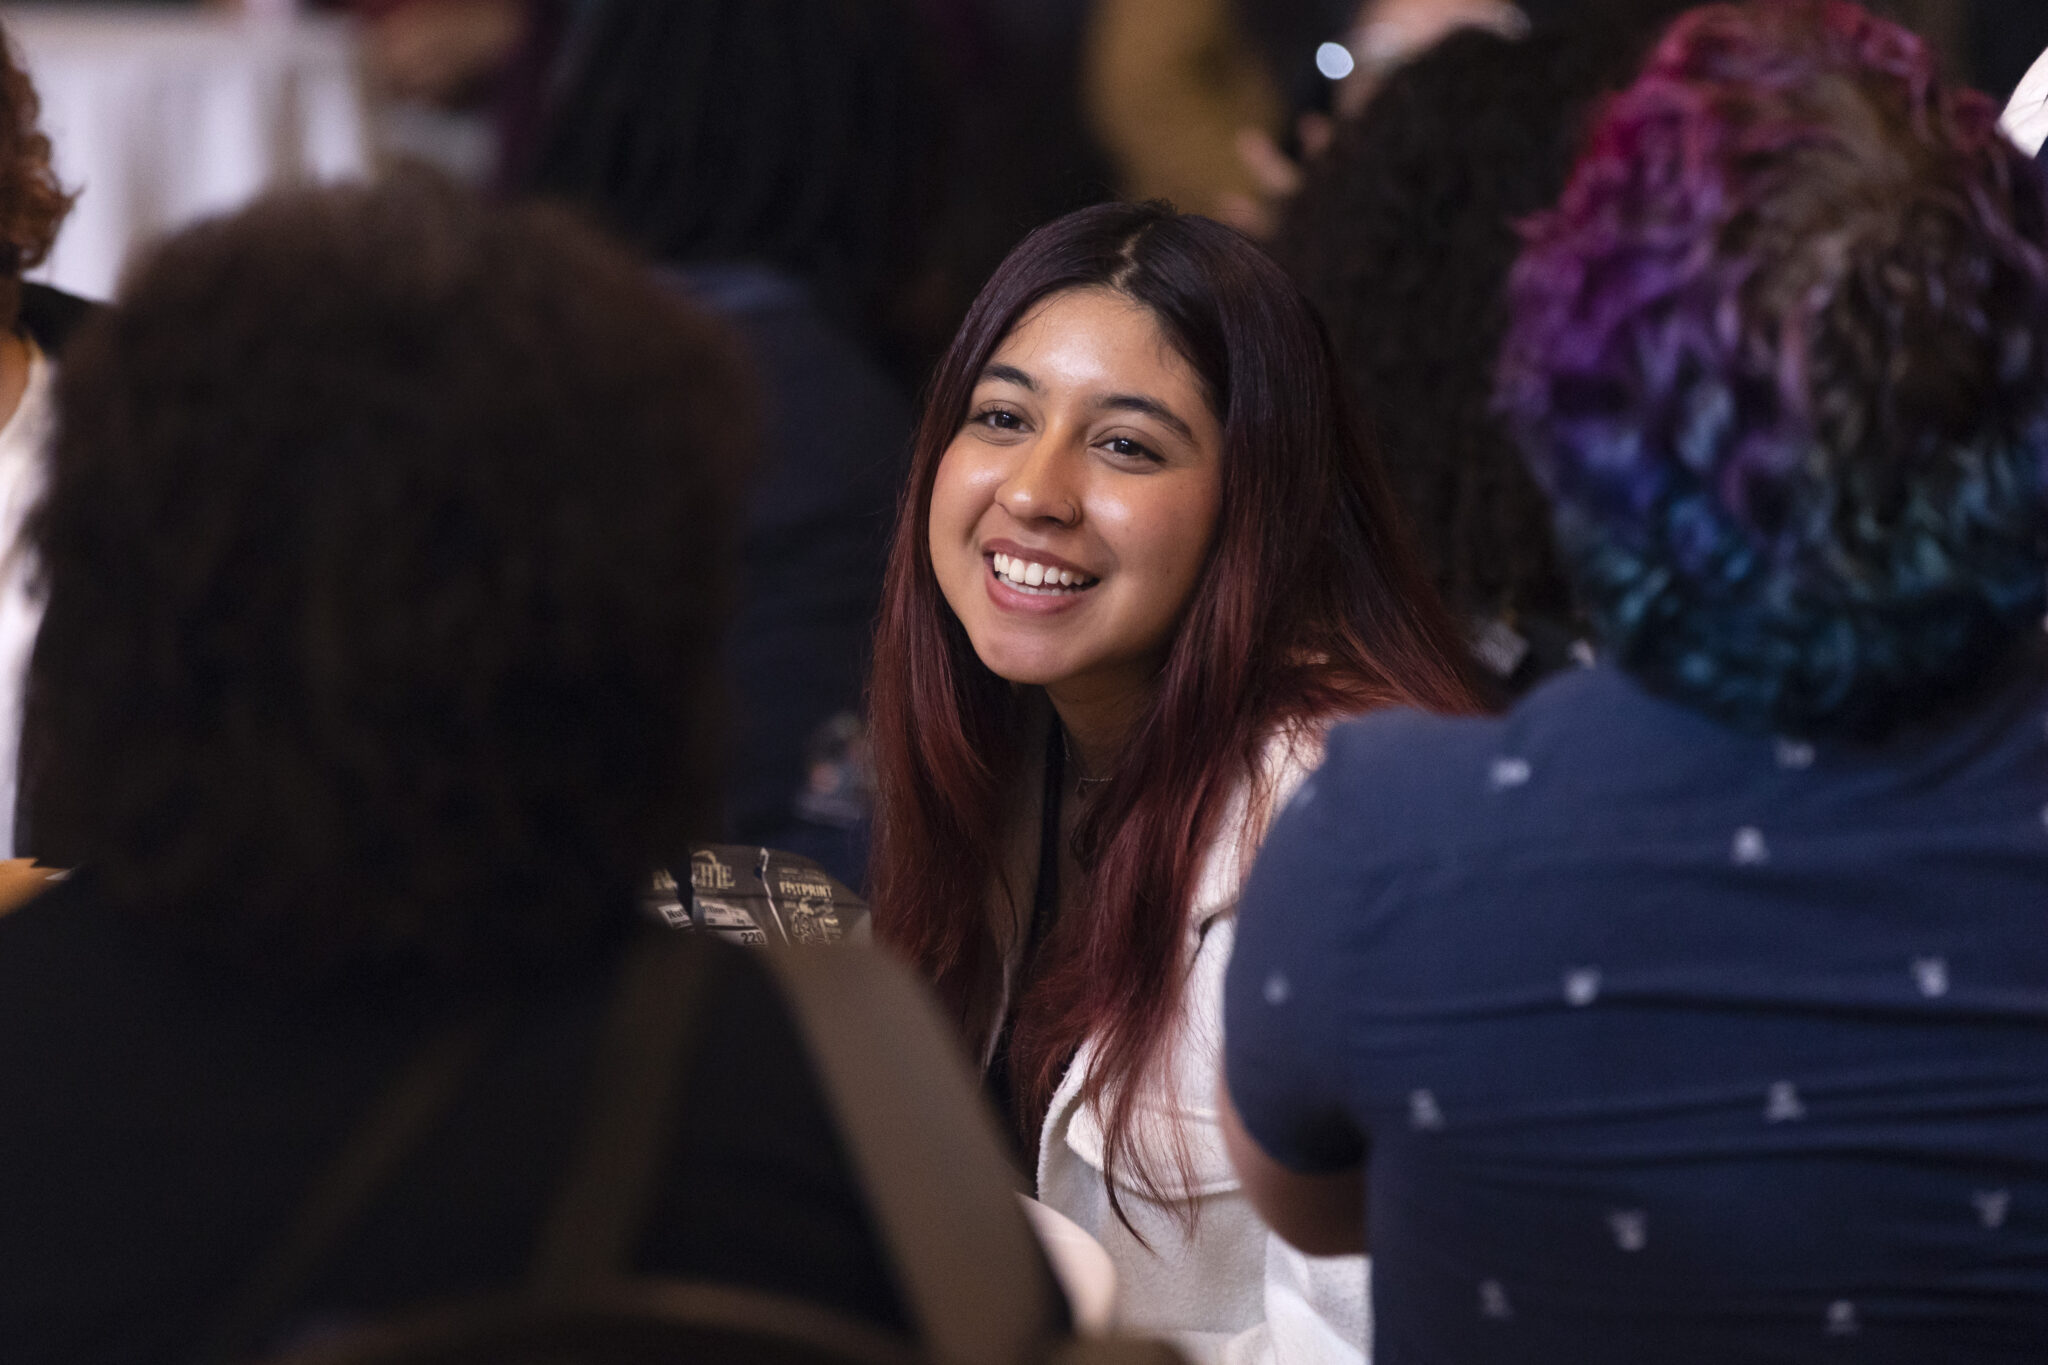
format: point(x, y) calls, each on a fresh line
point(32, 205)
point(1781, 357)
point(797, 133)
point(1403, 239)
point(384, 568)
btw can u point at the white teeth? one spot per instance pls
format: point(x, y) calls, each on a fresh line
point(1022, 573)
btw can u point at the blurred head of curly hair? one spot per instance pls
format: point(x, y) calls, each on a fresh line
point(1403, 238)
point(386, 559)
point(1780, 355)
point(32, 205)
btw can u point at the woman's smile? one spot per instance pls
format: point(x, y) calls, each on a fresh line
point(1033, 581)
point(1032, 574)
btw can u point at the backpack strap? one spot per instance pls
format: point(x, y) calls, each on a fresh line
point(922, 1144)
point(928, 1154)
point(601, 1205)
point(400, 1119)
point(588, 1235)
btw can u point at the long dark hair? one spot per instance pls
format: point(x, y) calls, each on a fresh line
point(1312, 604)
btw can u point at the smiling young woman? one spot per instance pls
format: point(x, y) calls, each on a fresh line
point(1141, 563)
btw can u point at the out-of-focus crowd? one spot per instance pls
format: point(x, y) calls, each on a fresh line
point(1421, 622)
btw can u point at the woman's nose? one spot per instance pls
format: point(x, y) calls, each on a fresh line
point(1043, 486)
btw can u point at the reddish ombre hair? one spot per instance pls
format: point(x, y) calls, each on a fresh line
point(1312, 603)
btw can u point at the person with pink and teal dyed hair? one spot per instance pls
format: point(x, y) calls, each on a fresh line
point(1696, 1011)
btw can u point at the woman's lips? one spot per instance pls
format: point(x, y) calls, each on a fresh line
point(1021, 595)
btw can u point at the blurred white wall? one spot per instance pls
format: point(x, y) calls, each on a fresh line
point(160, 117)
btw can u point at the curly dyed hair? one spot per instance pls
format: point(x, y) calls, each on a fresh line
point(32, 204)
point(384, 564)
point(1781, 357)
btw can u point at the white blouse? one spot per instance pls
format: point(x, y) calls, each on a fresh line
point(1225, 1289)
point(23, 445)
point(2026, 117)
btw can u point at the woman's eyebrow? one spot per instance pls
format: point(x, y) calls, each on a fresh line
point(1009, 374)
point(1150, 407)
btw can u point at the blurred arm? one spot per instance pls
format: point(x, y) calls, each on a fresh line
point(1323, 1215)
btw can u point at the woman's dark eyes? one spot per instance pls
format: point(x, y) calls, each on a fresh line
point(998, 419)
point(1123, 447)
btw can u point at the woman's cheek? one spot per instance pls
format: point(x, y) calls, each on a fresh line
point(962, 491)
point(951, 495)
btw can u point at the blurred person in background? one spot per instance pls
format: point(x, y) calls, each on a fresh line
point(1024, 150)
point(1693, 1011)
point(386, 551)
point(1329, 57)
point(1403, 238)
point(1213, 104)
point(443, 52)
point(458, 82)
point(35, 322)
point(778, 158)
point(1168, 85)
point(1386, 35)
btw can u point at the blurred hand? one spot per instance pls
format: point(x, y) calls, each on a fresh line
point(443, 52)
point(1277, 175)
point(1386, 34)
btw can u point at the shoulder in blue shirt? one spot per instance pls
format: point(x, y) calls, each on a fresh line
point(1665, 1042)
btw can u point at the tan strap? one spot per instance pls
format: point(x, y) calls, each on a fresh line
point(402, 1116)
point(927, 1151)
point(601, 1206)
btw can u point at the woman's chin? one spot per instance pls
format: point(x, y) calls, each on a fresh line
point(1026, 668)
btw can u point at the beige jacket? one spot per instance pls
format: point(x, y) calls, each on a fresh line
point(1227, 1290)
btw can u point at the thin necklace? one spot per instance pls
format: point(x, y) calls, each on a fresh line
point(1067, 745)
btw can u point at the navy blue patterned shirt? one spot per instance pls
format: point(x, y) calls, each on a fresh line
point(1664, 1043)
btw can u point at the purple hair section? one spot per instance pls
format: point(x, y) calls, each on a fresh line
point(1632, 366)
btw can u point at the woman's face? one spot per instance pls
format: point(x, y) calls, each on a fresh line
point(1073, 512)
